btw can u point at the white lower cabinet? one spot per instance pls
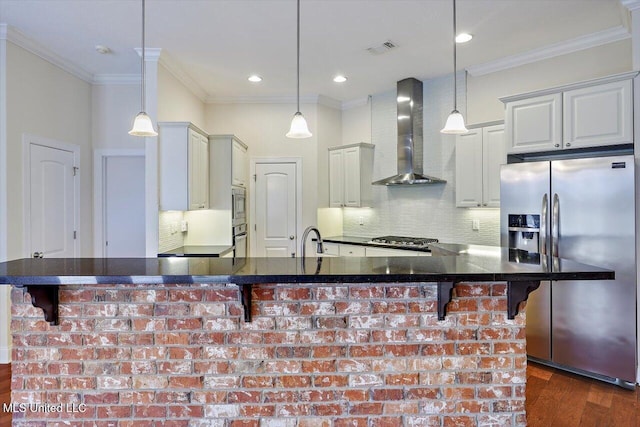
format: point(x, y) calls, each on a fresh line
point(345, 250)
point(371, 252)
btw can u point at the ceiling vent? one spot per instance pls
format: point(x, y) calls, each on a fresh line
point(382, 48)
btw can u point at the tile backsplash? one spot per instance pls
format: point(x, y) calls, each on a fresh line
point(169, 234)
point(421, 210)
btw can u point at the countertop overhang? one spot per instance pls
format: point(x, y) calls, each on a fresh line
point(494, 264)
point(522, 271)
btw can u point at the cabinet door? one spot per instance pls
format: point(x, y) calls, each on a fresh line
point(351, 176)
point(351, 250)
point(371, 252)
point(238, 164)
point(198, 171)
point(534, 124)
point(598, 115)
point(469, 169)
point(494, 155)
point(336, 178)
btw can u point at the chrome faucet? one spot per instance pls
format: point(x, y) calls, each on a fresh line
point(319, 247)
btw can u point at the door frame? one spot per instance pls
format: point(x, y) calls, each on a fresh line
point(100, 157)
point(27, 141)
point(252, 194)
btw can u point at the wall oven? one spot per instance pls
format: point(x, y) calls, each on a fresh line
point(240, 241)
point(238, 206)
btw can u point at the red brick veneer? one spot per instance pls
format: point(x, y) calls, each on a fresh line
point(321, 355)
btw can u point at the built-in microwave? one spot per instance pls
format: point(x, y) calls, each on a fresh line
point(238, 205)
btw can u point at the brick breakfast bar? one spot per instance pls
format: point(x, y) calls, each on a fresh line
point(220, 342)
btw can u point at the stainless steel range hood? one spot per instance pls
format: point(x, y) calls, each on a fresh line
point(409, 104)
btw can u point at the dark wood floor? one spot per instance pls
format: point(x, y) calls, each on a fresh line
point(554, 399)
point(5, 394)
point(560, 399)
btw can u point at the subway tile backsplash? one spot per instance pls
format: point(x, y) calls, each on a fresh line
point(422, 210)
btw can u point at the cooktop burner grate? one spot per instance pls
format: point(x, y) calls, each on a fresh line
point(404, 241)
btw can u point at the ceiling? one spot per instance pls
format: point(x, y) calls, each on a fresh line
point(218, 43)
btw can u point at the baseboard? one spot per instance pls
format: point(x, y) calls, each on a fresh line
point(5, 354)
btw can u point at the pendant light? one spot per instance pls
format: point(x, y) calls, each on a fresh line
point(142, 125)
point(299, 128)
point(455, 121)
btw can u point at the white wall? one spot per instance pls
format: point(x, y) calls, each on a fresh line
point(358, 119)
point(422, 210)
point(483, 92)
point(113, 108)
point(45, 101)
point(176, 103)
point(263, 127)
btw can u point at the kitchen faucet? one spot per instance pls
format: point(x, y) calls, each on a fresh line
point(319, 247)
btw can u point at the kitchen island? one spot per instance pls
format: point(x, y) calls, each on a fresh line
point(416, 341)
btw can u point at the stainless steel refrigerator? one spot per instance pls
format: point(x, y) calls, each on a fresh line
point(584, 210)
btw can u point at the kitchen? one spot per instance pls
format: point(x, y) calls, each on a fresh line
point(369, 120)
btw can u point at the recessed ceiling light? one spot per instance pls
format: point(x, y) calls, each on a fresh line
point(339, 79)
point(254, 78)
point(463, 38)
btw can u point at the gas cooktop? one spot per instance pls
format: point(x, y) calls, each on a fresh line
point(418, 242)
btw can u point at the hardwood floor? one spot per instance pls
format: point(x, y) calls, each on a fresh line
point(560, 399)
point(5, 394)
point(554, 399)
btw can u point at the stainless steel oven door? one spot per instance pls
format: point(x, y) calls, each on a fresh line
point(240, 246)
point(238, 205)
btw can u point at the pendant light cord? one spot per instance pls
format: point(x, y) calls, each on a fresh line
point(455, 80)
point(143, 63)
point(298, 59)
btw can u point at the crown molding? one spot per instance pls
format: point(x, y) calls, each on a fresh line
point(310, 99)
point(116, 79)
point(183, 77)
point(588, 41)
point(14, 36)
point(355, 103)
point(151, 54)
point(631, 5)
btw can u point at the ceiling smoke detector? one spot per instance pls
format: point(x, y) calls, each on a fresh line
point(382, 48)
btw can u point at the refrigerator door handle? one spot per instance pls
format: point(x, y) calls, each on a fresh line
point(543, 224)
point(555, 216)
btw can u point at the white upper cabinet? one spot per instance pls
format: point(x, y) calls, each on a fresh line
point(183, 152)
point(534, 124)
point(479, 155)
point(586, 114)
point(350, 174)
point(599, 115)
point(238, 163)
point(229, 167)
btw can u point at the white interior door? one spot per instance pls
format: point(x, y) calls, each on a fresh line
point(275, 209)
point(124, 214)
point(52, 202)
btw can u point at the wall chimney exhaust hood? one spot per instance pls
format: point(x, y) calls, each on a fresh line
point(409, 105)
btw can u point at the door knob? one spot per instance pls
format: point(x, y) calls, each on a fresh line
point(38, 255)
point(292, 237)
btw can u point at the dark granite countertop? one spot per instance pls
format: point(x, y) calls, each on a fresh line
point(366, 241)
point(492, 264)
point(198, 251)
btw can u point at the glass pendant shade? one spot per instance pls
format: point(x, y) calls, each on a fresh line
point(455, 121)
point(142, 126)
point(299, 128)
point(455, 124)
